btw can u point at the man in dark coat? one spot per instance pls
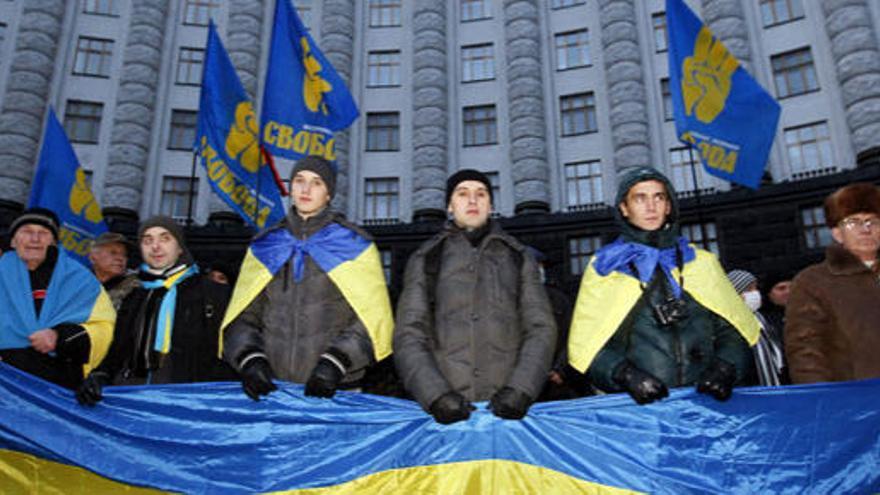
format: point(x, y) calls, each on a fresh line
point(832, 321)
point(167, 329)
point(473, 321)
point(654, 312)
point(109, 257)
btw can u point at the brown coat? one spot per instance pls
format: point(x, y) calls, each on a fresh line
point(832, 327)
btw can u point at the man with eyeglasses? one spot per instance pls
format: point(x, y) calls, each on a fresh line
point(833, 313)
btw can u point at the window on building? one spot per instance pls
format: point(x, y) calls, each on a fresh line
point(658, 23)
point(816, 233)
point(384, 13)
point(82, 121)
point(387, 258)
point(560, 4)
point(383, 68)
point(101, 7)
point(189, 66)
point(176, 193)
point(583, 184)
point(572, 49)
point(793, 73)
point(183, 130)
point(495, 182)
point(383, 131)
point(579, 251)
point(304, 11)
point(472, 10)
point(477, 62)
point(683, 174)
point(480, 125)
point(93, 57)
point(666, 94)
point(703, 235)
point(199, 12)
point(578, 113)
point(809, 149)
point(779, 11)
point(381, 199)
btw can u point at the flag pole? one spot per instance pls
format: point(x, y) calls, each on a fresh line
point(192, 180)
point(699, 198)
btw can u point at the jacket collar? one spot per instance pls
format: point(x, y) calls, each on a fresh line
point(842, 262)
point(303, 229)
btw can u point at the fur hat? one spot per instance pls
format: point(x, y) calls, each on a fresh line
point(467, 174)
point(37, 216)
point(320, 166)
point(860, 197)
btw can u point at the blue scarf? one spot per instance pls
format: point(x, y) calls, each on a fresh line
point(620, 255)
point(329, 247)
point(165, 321)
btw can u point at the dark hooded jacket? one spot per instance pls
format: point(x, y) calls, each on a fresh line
point(678, 353)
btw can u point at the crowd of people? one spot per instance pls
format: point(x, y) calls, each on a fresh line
point(475, 321)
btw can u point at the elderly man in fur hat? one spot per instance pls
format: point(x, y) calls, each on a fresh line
point(833, 315)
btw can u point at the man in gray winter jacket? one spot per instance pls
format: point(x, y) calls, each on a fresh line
point(473, 321)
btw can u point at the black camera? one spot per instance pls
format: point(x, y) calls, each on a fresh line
point(670, 311)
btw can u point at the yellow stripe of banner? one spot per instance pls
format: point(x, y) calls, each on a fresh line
point(99, 328)
point(252, 277)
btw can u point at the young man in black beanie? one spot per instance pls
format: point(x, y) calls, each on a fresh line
point(473, 321)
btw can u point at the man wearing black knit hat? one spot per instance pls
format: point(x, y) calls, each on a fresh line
point(473, 321)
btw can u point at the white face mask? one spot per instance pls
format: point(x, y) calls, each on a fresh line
point(753, 299)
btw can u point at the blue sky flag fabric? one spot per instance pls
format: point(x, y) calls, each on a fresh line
point(227, 141)
point(61, 185)
point(210, 438)
point(719, 109)
point(304, 100)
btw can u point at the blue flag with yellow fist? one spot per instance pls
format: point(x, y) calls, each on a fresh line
point(227, 141)
point(304, 100)
point(60, 185)
point(720, 110)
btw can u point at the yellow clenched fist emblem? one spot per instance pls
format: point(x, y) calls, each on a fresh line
point(81, 201)
point(314, 86)
point(705, 82)
point(241, 142)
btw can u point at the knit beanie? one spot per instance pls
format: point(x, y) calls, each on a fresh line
point(740, 279)
point(320, 166)
point(467, 174)
point(37, 216)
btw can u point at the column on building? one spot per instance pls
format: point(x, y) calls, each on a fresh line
point(626, 92)
point(726, 20)
point(24, 103)
point(430, 110)
point(134, 118)
point(337, 44)
point(856, 53)
point(525, 90)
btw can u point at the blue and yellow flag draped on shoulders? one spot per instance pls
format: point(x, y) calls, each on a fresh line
point(210, 438)
point(719, 109)
point(60, 185)
point(227, 141)
point(351, 261)
point(304, 100)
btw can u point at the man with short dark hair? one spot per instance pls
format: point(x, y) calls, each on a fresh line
point(653, 311)
point(56, 321)
point(473, 321)
point(109, 258)
point(832, 326)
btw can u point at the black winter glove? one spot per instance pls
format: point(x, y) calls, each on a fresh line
point(642, 386)
point(89, 392)
point(256, 378)
point(451, 407)
point(717, 380)
point(324, 379)
point(510, 403)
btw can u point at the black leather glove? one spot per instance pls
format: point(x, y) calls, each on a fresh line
point(90, 391)
point(324, 379)
point(510, 403)
point(717, 380)
point(451, 407)
point(642, 386)
point(256, 378)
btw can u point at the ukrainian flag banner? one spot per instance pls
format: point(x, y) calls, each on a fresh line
point(227, 141)
point(304, 99)
point(719, 109)
point(60, 185)
point(351, 261)
point(210, 438)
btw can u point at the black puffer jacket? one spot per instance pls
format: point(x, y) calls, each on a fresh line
point(490, 324)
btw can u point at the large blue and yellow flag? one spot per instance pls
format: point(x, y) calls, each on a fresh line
point(720, 110)
point(304, 99)
point(227, 141)
point(60, 185)
point(351, 261)
point(210, 438)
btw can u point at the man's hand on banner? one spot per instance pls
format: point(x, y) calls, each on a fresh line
point(44, 340)
point(706, 77)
